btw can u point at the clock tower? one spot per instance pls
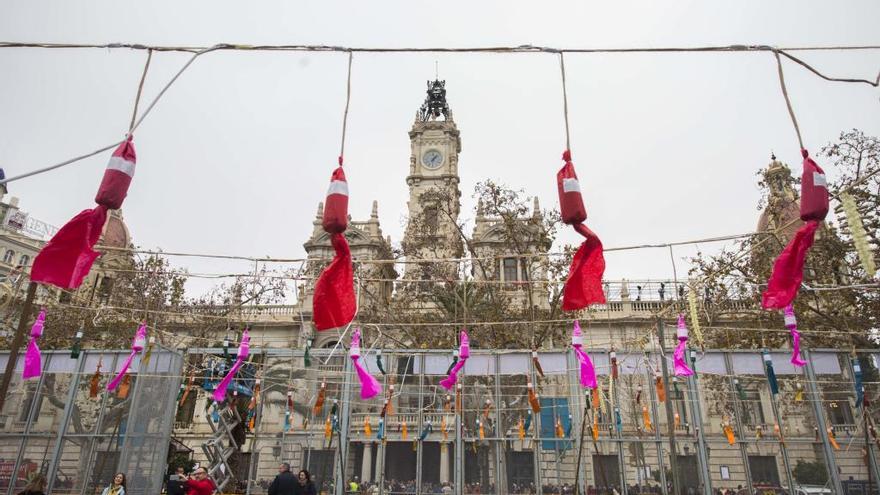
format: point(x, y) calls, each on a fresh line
point(434, 197)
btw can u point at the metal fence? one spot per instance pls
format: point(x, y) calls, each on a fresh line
point(812, 432)
point(56, 426)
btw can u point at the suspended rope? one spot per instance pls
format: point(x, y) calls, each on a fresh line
point(131, 129)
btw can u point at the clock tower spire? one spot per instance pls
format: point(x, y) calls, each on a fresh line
point(434, 197)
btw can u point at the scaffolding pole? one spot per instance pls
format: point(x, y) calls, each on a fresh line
point(737, 418)
point(65, 419)
point(500, 445)
point(657, 438)
point(536, 429)
point(344, 416)
point(702, 450)
point(421, 426)
point(869, 450)
point(670, 425)
point(578, 417)
point(816, 400)
point(782, 449)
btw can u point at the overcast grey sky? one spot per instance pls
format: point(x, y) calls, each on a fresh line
point(237, 155)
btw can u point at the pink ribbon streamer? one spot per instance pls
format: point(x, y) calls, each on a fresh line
point(791, 325)
point(464, 352)
point(33, 363)
point(243, 351)
point(137, 345)
point(681, 367)
point(588, 371)
point(370, 387)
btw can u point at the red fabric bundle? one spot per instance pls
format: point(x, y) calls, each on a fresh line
point(583, 286)
point(67, 258)
point(334, 304)
point(788, 269)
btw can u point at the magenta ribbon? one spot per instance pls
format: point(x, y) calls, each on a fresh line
point(137, 345)
point(243, 351)
point(33, 363)
point(681, 367)
point(370, 387)
point(791, 325)
point(588, 371)
point(464, 352)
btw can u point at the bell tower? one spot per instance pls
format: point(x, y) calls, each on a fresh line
point(434, 197)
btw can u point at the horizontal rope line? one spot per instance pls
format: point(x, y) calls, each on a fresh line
point(478, 49)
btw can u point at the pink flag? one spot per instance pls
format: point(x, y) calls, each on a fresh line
point(791, 325)
point(370, 387)
point(33, 363)
point(588, 371)
point(137, 345)
point(464, 352)
point(243, 351)
point(681, 367)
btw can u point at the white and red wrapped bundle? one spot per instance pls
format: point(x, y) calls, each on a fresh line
point(788, 269)
point(117, 176)
point(334, 303)
point(335, 219)
point(68, 257)
point(583, 286)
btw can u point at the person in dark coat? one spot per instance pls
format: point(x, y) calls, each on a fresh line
point(285, 483)
point(305, 485)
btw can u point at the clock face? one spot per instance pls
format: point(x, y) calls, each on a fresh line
point(432, 159)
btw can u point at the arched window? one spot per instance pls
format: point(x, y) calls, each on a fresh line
point(7, 258)
point(24, 260)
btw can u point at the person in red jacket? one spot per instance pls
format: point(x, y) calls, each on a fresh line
point(199, 483)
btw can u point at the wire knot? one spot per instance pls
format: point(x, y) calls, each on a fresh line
point(340, 160)
point(566, 155)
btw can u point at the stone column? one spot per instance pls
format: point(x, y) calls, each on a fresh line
point(367, 464)
point(444, 462)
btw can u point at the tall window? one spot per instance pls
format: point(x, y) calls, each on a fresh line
point(7, 258)
point(509, 267)
point(432, 220)
point(840, 412)
point(752, 410)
